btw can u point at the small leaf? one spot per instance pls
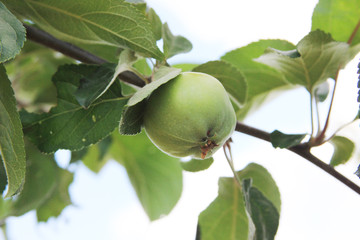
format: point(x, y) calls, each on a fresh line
point(343, 149)
point(230, 77)
point(226, 217)
point(263, 213)
point(320, 58)
point(282, 140)
point(12, 35)
point(357, 173)
point(155, 176)
point(174, 45)
point(113, 23)
point(12, 148)
point(322, 91)
point(41, 181)
point(59, 199)
point(131, 119)
point(68, 125)
point(196, 165)
point(339, 18)
point(162, 76)
point(261, 79)
point(94, 86)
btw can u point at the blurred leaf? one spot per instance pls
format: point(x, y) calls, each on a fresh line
point(196, 165)
point(174, 45)
point(155, 176)
point(32, 85)
point(12, 35)
point(185, 67)
point(68, 125)
point(262, 181)
point(41, 177)
point(343, 150)
point(226, 217)
point(320, 58)
point(155, 23)
point(230, 77)
point(94, 158)
point(337, 17)
point(131, 119)
point(95, 85)
point(12, 147)
point(59, 199)
point(261, 79)
point(322, 91)
point(263, 213)
point(92, 22)
point(282, 140)
point(78, 155)
point(142, 66)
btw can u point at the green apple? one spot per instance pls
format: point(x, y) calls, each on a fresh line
point(191, 115)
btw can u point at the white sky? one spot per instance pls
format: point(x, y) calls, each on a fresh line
point(314, 205)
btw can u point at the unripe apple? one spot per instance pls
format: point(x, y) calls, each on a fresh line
point(191, 115)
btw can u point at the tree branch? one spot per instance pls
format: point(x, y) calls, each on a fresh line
point(72, 51)
point(77, 53)
point(302, 150)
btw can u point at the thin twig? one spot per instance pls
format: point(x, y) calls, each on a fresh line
point(302, 150)
point(39, 36)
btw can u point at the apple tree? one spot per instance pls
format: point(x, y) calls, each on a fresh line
point(72, 79)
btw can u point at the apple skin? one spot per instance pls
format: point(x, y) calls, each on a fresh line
point(191, 115)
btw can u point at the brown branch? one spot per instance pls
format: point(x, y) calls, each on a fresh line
point(36, 35)
point(77, 53)
point(302, 150)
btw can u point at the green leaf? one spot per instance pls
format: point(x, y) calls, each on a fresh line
point(131, 119)
point(320, 58)
point(196, 165)
point(155, 176)
point(94, 86)
point(322, 91)
point(339, 18)
point(3, 177)
point(113, 23)
point(12, 35)
point(155, 23)
point(263, 213)
point(261, 79)
point(68, 125)
point(343, 150)
point(12, 147)
point(226, 217)
point(94, 158)
point(41, 177)
point(174, 45)
point(282, 140)
point(32, 85)
point(263, 181)
point(185, 67)
point(59, 199)
point(230, 77)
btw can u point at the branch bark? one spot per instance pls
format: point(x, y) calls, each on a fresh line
point(79, 54)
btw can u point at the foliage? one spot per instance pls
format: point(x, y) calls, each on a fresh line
point(50, 102)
